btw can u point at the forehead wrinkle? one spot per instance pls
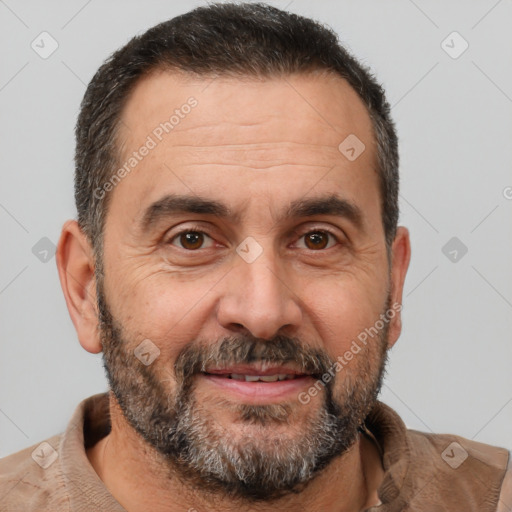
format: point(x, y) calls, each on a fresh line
point(257, 156)
point(239, 166)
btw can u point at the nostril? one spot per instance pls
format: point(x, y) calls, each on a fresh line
point(238, 328)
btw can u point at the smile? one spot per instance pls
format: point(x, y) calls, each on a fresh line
point(258, 384)
point(256, 378)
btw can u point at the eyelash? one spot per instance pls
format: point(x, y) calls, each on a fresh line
point(197, 229)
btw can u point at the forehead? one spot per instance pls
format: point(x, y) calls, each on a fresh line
point(206, 134)
point(323, 103)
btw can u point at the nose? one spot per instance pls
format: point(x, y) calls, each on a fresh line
point(258, 298)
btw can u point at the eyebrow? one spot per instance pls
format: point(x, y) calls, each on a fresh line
point(175, 204)
point(327, 205)
point(307, 207)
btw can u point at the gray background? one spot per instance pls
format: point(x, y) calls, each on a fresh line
point(451, 369)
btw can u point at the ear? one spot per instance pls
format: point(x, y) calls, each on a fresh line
point(75, 263)
point(400, 257)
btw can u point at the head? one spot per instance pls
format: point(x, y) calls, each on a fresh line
point(237, 187)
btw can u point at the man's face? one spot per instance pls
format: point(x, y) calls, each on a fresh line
point(272, 265)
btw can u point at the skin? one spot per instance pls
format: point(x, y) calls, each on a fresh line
point(255, 146)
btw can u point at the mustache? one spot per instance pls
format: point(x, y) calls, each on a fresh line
point(195, 357)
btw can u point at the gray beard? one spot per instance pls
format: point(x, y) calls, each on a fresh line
point(258, 463)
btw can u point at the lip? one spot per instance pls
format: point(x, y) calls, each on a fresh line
point(259, 392)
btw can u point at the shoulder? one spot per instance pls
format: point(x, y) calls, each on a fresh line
point(460, 468)
point(433, 472)
point(32, 479)
point(505, 500)
point(455, 450)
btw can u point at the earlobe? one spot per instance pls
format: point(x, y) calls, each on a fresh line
point(400, 257)
point(75, 263)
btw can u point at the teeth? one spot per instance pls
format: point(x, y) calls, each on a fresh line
point(264, 378)
point(269, 378)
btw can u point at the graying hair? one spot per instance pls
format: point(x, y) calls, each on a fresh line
point(254, 40)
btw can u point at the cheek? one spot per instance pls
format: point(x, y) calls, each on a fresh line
point(164, 308)
point(343, 310)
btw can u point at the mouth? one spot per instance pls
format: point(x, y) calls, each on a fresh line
point(261, 383)
point(256, 378)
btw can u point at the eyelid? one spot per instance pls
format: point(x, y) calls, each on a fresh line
point(338, 234)
point(195, 229)
point(337, 241)
point(298, 232)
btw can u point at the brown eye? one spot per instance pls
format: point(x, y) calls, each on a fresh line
point(190, 240)
point(317, 240)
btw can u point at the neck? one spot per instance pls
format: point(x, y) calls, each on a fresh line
point(139, 480)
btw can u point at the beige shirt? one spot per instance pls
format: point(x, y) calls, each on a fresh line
point(423, 472)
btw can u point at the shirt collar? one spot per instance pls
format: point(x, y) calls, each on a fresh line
point(390, 433)
point(91, 422)
point(84, 486)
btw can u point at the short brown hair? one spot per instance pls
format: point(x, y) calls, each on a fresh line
point(251, 39)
